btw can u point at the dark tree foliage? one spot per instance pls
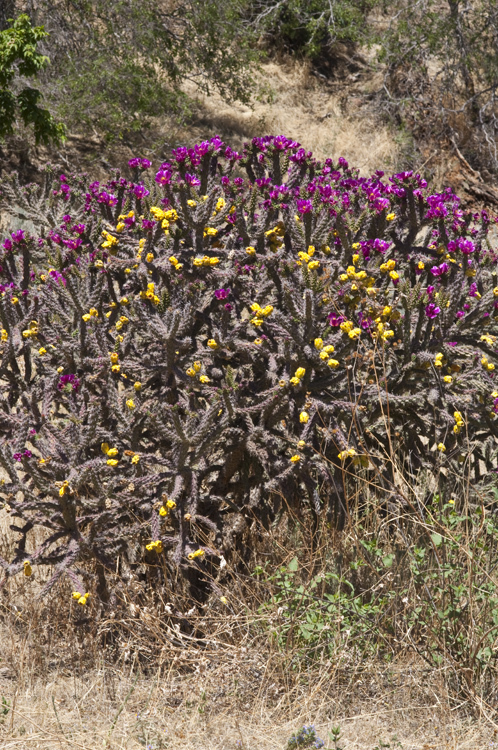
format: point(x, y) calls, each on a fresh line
point(239, 333)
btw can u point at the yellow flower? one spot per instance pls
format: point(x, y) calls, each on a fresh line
point(304, 417)
point(130, 403)
point(116, 368)
point(191, 203)
point(76, 595)
point(448, 379)
point(163, 511)
point(394, 275)
point(421, 266)
point(112, 462)
point(441, 447)
point(171, 504)
point(390, 217)
point(311, 251)
point(197, 365)
point(324, 355)
point(204, 379)
point(355, 333)
point(223, 600)
point(5, 335)
point(135, 459)
point(301, 444)
point(14, 300)
point(456, 429)
point(212, 344)
point(42, 351)
point(256, 322)
point(86, 317)
point(64, 489)
point(349, 453)
point(294, 381)
point(258, 342)
point(347, 326)
point(149, 257)
point(333, 363)
point(104, 447)
point(251, 250)
point(191, 372)
point(318, 344)
point(197, 553)
point(294, 459)
point(300, 372)
point(283, 383)
point(171, 215)
point(314, 264)
point(111, 452)
point(27, 568)
point(326, 249)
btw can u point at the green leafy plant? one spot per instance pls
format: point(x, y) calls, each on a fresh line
point(19, 59)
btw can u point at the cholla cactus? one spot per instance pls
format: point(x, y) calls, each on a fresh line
point(188, 344)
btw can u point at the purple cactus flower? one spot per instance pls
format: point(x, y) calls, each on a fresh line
point(432, 311)
point(222, 293)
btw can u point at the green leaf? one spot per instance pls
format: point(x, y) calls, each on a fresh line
point(437, 539)
point(293, 565)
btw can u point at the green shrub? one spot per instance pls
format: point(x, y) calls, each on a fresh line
point(181, 348)
point(19, 59)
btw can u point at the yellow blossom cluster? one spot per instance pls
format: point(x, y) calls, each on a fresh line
point(459, 422)
point(348, 327)
point(206, 261)
point(165, 217)
point(175, 263)
point(308, 259)
point(251, 251)
point(275, 235)
point(121, 225)
point(166, 506)
point(4, 335)
point(31, 331)
point(325, 352)
point(487, 365)
point(92, 313)
point(155, 547)
point(150, 294)
point(110, 242)
point(389, 268)
point(260, 313)
point(111, 454)
point(197, 553)
point(212, 344)
point(195, 369)
point(210, 232)
point(81, 598)
point(298, 375)
point(28, 570)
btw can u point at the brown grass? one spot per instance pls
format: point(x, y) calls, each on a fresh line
point(211, 677)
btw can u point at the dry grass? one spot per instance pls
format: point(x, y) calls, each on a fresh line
point(300, 106)
point(211, 677)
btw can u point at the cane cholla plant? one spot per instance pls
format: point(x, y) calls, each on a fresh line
point(229, 330)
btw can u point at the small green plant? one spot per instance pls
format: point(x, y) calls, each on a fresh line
point(4, 709)
point(335, 737)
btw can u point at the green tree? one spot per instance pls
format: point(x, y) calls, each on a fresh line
point(19, 59)
point(119, 63)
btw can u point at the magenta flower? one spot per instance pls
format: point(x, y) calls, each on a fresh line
point(304, 206)
point(221, 293)
point(432, 311)
point(335, 320)
point(70, 379)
